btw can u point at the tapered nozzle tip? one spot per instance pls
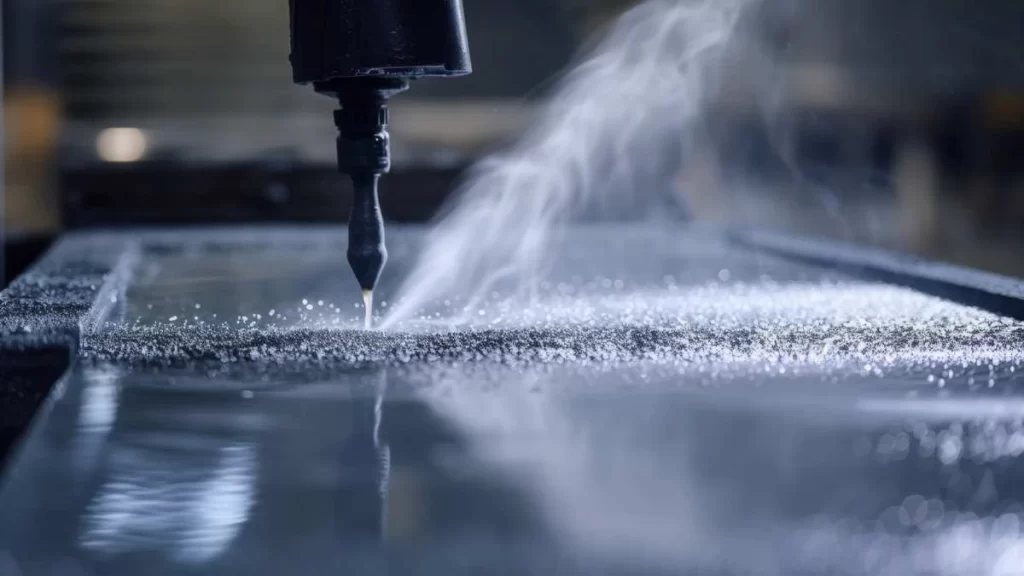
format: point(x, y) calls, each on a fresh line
point(367, 262)
point(367, 253)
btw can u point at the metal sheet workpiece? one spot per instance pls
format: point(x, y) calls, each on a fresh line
point(705, 408)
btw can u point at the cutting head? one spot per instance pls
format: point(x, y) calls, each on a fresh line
point(334, 39)
point(362, 52)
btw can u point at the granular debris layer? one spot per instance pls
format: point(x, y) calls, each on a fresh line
point(717, 330)
point(697, 306)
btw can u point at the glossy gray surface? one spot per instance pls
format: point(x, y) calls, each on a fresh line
point(666, 404)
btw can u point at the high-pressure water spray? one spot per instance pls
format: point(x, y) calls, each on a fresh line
point(363, 52)
point(611, 127)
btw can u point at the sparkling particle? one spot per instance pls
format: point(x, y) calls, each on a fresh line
point(198, 306)
point(949, 449)
point(173, 319)
point(724, 275)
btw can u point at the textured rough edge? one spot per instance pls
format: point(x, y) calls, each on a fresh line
point(271, 352)
point(47, 304)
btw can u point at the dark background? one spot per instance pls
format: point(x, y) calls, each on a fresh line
point(899, 122)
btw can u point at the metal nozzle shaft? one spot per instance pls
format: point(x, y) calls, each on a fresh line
point(367, 253)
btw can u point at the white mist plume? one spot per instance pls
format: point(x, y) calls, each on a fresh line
point(606, 127)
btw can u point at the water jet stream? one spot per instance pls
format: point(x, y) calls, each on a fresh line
point(605, 131)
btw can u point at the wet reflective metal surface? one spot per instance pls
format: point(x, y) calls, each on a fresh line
point(795, 422)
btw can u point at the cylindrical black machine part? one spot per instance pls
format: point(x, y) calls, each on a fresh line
point(391, 38)
point(367, 252)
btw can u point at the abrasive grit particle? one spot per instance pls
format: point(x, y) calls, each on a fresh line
point(829, 327)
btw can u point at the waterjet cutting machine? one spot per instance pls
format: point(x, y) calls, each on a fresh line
point(362, 52)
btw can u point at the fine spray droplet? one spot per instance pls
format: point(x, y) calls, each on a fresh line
point(368, 303)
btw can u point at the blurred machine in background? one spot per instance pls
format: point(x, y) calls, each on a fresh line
point(205, 90)
point(168, 111)
point(895, 123)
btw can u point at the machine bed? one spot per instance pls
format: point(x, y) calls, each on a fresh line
point(666, 401)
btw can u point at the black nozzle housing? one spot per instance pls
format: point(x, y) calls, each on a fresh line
point(385, 38)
